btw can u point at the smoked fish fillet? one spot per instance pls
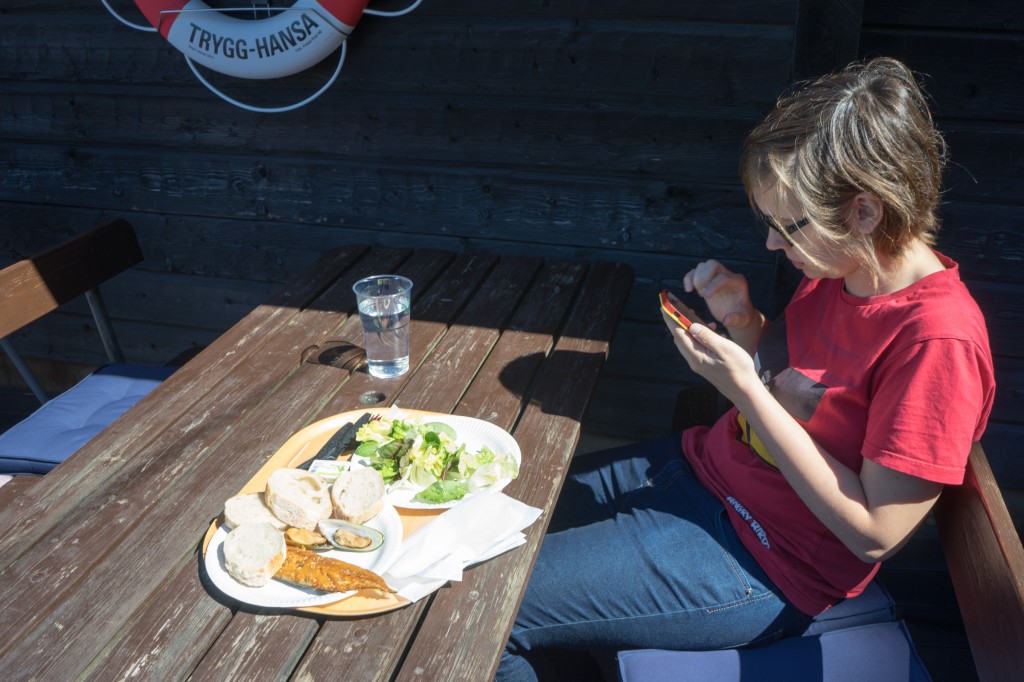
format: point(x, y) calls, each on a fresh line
point(309, 569)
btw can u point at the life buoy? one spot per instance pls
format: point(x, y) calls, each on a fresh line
point(289, 41)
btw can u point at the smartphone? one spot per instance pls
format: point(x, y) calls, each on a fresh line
point(672, 311)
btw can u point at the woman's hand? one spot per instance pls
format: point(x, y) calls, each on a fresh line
point(721, 361)
point(728, 298)
point(726, 293)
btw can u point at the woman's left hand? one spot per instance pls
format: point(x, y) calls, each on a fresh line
point(716, 358)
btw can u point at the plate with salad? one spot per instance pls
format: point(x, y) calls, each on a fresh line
point(434, 461)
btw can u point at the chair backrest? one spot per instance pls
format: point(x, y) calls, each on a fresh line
point(34, 287)
point(31, 288)
point(986, 564)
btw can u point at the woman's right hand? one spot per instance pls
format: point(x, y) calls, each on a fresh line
point(726, 293)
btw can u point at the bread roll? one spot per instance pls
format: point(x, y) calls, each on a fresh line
point(358, 495)
point(250, 508)
point(253, 553)
point(298, 498)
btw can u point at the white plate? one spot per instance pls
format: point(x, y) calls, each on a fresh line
point(278, 594)
point(475, 433)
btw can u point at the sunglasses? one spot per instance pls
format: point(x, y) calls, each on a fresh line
point(787, 231)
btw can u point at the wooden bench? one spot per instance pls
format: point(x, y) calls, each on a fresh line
point(35, 287)
point(986, 565)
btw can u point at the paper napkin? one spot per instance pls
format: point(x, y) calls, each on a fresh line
point(475, 530)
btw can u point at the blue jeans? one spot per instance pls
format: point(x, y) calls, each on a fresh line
point(639, 554)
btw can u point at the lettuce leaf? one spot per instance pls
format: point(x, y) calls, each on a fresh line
point(442, 491)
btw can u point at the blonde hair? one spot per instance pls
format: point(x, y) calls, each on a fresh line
point(866, 129)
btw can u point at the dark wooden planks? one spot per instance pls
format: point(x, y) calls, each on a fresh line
point(51, 503)
point(15, 487)
point(503, 383)
point(982, 87)
point(563, 390)
point(180, 483)
point(601, 130)
point(262, 432)
point(565, 57)
point(996, 15)
point(158, 642)
point(485, 399)
point(645, 212)
point(986, 563)
point(826, 37)
point(625, 137)
point(373, 647)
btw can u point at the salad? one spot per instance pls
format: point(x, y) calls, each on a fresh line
point(429, 458)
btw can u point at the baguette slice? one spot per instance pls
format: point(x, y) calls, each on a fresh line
point(250, 508)
point(298, 498)
point(253, 553)
point(358, 495)
point(309, 569)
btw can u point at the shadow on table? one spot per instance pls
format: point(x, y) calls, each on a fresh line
point(553, 381)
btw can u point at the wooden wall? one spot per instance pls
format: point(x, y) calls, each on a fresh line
point(972, 57)
point(593, 129)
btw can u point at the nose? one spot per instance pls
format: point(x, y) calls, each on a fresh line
point(775, 241)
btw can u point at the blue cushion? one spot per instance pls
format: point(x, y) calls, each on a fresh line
point(873, 605)
point(61, 426)
point(881, 652)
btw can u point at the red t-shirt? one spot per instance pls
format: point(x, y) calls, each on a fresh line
point(904, 379)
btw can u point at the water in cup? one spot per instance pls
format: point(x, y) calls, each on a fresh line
point(384, 304)
point(386, 333)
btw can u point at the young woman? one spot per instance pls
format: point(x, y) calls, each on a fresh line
point(850, 412)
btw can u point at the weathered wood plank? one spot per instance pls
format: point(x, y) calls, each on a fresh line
point(504, 380)
point(562, 389)
point(983, 87)
point(60, 492)
point(690, 10)
point(984, 238)
point(374, 653)
point(1001, 441)
point(173, 299)
point(986, 563)
point(995, 15)
point(985, 167)
point(573, 58)
point(1004, 314)
point(256, 439)
point(827, 36)
point(266, 333)
point(15, 487)
point(655, 214)
point(188, 492)
point(616, 138)
point(279, 640)
point(74, 339)
point(152, 647)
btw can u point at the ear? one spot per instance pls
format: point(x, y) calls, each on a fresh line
point(865, 213)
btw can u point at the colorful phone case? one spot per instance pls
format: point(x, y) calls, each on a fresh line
point(667, 306)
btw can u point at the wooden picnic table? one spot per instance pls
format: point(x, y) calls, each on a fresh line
point(100, 560)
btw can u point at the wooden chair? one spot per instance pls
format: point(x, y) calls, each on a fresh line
point(32, 288)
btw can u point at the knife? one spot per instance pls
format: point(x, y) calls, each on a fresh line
point(337, 443)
